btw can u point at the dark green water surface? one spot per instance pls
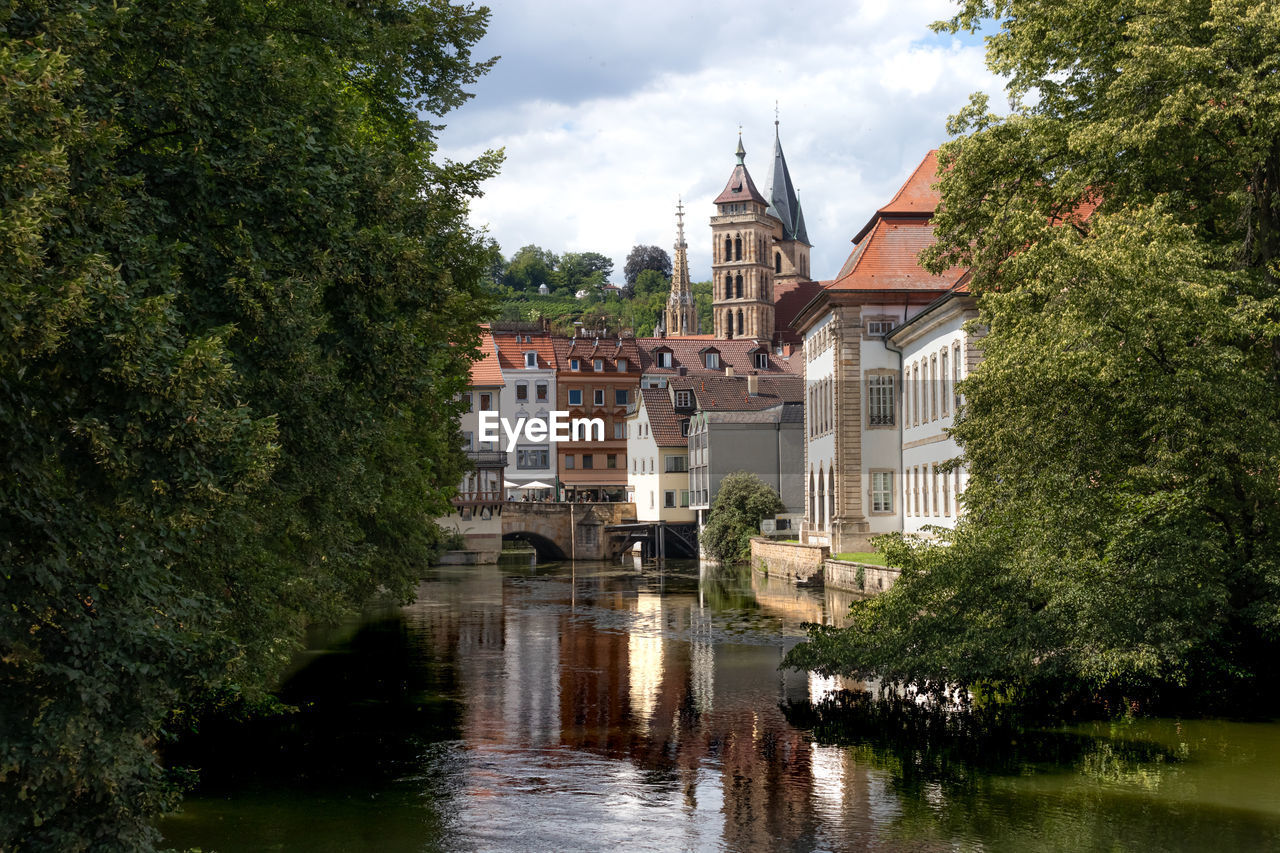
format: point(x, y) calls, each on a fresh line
point(601, 708)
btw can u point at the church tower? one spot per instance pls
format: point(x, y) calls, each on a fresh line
point(743, 234)
point(682, 312)
point(790, 254)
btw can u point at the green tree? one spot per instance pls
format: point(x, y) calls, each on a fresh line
point(588, 271)
point(742, 502)
point(642, 258)
point(652, 282)
point(531, 267)
point(231, 275)
point(1120, 536)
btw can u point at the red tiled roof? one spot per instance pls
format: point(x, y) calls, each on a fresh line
point(486, 371)
point(729, 393)
point(739, 188)
point(512, 347)
point(788, 298)
point(888, 259)
point(588, 349)
point(686, 352)
point(663, 422)
point(918, 194)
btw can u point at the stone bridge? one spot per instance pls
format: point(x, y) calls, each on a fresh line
point(568, 531)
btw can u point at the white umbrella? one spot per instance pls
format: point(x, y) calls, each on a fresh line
point(536, 484)
point(507, 484)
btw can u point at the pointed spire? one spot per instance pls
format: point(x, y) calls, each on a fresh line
point(741, 152)
point(783, 203)
point(682, 313)
point(740, 186)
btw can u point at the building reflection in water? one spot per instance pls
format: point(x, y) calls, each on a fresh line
point(619, 703)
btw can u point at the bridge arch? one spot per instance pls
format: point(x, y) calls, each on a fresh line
point(546, 549)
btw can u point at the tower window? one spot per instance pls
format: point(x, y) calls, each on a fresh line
point(737, 290)
point(739, 321)
point(777, 262)
point(737, 249)
point(728, 286)
point(728, 248)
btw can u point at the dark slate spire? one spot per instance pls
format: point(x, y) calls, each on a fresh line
point(782, 196)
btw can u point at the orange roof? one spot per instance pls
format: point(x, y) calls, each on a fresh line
point(886, 256)
point(486, 371)
point(739, 188)
point(513, 345)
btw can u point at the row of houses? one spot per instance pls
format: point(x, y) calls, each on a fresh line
point(844, 407)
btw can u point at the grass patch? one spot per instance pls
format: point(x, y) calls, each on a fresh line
point(861, 557)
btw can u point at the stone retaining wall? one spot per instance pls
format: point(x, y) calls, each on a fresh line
point(796, 562)
point(859, 577)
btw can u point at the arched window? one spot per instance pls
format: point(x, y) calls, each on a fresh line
point(728, 323)
point(777, 262)
point(822, 500)
point(728, 285)
point(737, 249)
point(737, 288)
point(831, 494)
point(813, 505)
point(739, 321)
point(728, 247)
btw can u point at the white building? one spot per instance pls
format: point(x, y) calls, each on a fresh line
point(658, 479)
point(528, 363)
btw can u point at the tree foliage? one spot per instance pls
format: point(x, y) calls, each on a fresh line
point(642, 258)
point(231, 278)
point(742, 502)
point(1120, 537)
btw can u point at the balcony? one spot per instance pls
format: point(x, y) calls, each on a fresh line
point(487, 458)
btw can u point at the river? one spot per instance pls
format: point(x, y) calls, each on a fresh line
point(601, 708)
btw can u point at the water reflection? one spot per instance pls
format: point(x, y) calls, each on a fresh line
point(593, 707)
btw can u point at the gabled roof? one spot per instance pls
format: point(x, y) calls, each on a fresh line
point(788, 298)
point(486, 371)
point(664, 424)
point(783, 203)
point(686, 352)
point(729, 393)
point(587, 349)
point(512, 347)
point(740, 186)
point(888, 246)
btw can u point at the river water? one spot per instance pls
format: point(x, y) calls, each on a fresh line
point(601, 708)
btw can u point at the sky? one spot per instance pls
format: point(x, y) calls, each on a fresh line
point(610, 113)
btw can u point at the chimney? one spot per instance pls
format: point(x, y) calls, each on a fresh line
point(682, 371)
point(728, 370)
point(753, 384)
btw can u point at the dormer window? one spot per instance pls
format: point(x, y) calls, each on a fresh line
point(711, 359)
point(622, 365)
point(684, 399)
point(663, 357)
point(597, 365)
point(531, 359)
point(762, 360)
point(574, 364)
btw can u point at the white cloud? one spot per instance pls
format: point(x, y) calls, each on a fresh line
point(597, 152)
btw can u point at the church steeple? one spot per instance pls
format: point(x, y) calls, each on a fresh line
point(742, 276)
point(783, 203)
point(682, 312)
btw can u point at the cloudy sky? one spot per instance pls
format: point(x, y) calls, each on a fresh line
point(608, 113)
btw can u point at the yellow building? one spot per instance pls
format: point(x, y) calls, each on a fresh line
point(658, 479)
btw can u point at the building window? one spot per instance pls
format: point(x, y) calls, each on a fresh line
point(739, 321)
point(944, 375)
point(669, 499)
point(882, 491)
point(915, 488)
point(677, 464)
point(574, 364)
point(880, 401)
point(879, 327)
point(575, 396)
point(684, 427)
point(531, 359)
point(568, 461)
point(777, 263)
point(946, 495)
point(620, 397)
point(633, 466)
point(915, 383)
point(541, 389)
point(955, 382)
point(957, 476)
point(598, 397)
point(737, 251)
point(663, 357)
point(933, 388)
point(468, 440)
point(926, 473)
point(597, 365)
point(611, 460)
point(619, 429)
point(466, 402)
point(522, 390)
point(762, 360)
point(737, 288)
point(622, 365)
point(588, 461)
point(712, 360)
point(532, 457)
point(684, 399)
point(486, 402)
